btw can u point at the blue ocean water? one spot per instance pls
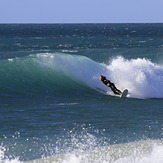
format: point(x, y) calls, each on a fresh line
point(53, 108)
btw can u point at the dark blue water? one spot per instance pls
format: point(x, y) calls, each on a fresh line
point(53, 108)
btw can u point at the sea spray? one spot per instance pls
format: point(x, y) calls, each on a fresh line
point(3, 159)
point(86, 148)
point(81, 145)
point(141, 77)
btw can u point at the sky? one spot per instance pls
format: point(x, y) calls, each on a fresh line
point(81, 11)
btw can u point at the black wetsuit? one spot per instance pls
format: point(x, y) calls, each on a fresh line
point(112, 86)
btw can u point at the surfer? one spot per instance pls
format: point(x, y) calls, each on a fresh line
point(110, 84)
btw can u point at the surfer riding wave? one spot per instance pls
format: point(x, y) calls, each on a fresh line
point(108, 83)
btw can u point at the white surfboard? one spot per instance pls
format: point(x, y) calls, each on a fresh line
point(124, 93)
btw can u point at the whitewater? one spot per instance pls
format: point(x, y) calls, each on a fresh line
point(137, 152)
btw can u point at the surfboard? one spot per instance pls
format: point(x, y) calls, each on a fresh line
point(124, 93)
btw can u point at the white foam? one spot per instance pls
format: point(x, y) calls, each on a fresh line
point(5, 160)
point(138, 152)
point(141, 77)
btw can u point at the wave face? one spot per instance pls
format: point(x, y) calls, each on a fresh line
point(52, 73)
point(47, 73)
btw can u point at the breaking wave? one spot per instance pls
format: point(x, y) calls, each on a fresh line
point(54, 72)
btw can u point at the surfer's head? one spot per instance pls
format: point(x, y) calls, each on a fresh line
point(101, 77)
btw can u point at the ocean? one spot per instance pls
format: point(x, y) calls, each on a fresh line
point(54, 108)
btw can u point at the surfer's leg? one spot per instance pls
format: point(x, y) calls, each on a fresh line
point(114, 89)
point(118, 91)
